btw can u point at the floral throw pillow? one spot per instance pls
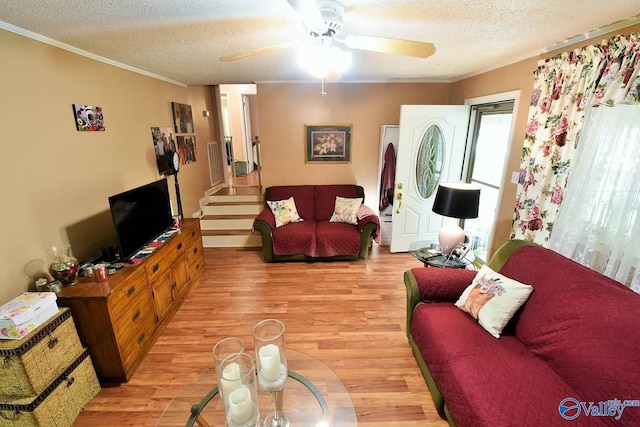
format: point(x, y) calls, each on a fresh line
point(284, 211)
point(493, 299)
point(346, 210)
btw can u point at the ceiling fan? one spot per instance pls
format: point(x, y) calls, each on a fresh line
point(323, 21)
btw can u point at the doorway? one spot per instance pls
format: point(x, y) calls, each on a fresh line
point(242, 143)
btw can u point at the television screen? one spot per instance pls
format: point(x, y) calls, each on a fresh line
point(140, 215)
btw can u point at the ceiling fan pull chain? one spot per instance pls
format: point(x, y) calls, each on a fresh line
point(322, 92)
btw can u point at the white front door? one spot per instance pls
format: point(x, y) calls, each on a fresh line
point(431, 150)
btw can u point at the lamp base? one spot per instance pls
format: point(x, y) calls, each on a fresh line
point(450, 237)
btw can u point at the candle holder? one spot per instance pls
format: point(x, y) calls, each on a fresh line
point(237, 385)
point(271, 362)
point(223, 349)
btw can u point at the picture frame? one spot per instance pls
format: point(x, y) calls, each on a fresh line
point(164, 143)
point(187, 149)
point(182, 118)
point(328, 143)
point(89, 118)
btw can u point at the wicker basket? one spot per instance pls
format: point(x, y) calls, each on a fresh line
point(60, 403)
point(29, 365)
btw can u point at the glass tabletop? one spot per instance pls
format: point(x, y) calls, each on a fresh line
point(428, 252)
point(313, 396)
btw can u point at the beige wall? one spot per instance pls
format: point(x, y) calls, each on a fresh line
point(56, 180)
point(284, 109)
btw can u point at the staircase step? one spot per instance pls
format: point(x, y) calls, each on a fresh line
point(233, 208)
point(227, 222)
point(230, 239)
point(235, 198)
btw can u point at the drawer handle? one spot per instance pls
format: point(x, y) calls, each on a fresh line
point(193, 233)
point(179, 246)
point(195, 250)
point(173, 285)
point(131, 291)
point(197, 266)
point(135, 316)
point(70, 381)
point(52, 342)
point(156, 267)
point(141, 338)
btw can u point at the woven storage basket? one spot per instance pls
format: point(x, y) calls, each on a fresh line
point(29, 365)
point(60, 403)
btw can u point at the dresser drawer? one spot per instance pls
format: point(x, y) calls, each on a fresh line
point(121, 298)
point(135, 327)
point(195, 265)
point(191, 234)
point(167, 254)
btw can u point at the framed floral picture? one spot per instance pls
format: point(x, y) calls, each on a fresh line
point(328, 143)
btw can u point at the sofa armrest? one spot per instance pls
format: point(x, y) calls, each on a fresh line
point(267, 217)
point(367, 216)
point(434, 284)
point(265, 223)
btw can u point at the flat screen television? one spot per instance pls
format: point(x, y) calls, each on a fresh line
point(140, 215)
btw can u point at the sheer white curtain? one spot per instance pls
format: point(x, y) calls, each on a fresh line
point(599, 223)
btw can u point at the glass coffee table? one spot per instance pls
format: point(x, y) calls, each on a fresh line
point(429, 254)
point(313, 397)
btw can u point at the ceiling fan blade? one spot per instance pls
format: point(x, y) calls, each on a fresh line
point(310, 15)
point(260, 51)
point(394, 46)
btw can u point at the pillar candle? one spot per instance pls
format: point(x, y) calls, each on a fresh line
point(270, 362)
point(230, 378)
point(241, 405)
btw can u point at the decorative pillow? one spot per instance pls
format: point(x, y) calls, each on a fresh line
point(346, 210)
point(493, 299)
point(284, 211)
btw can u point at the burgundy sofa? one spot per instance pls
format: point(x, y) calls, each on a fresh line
point(577, 337)
point(315, 238)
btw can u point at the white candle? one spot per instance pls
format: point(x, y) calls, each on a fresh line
point(230, 378)
point(241, 405)
point(270, 362)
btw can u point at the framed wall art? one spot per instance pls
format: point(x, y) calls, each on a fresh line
point(89, 118)
point(164, 144)
point(328, 143)
point(182, 118)
point(187, 149)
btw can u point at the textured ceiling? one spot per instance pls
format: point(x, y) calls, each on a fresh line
point(182, 40)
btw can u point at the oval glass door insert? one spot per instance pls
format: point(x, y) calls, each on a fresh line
point(429, 161)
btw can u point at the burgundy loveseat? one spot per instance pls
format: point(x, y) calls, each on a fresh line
point(575, 342)
point(315, 237)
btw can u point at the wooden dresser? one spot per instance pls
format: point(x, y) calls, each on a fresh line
point(120, 319)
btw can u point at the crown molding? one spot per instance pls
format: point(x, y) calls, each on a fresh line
point(56, 43)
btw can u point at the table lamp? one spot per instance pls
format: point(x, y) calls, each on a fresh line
point(457, 200)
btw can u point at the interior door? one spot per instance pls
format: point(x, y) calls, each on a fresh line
point(431, 150)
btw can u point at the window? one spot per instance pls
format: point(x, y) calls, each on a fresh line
point(598, 224)
point(487, 154)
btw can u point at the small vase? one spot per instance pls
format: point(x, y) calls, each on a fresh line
point(64, 266)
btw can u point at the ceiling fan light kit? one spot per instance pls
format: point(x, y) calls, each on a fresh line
point(323, 59)
point(320, 55)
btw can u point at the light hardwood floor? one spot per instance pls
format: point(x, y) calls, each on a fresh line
point(350, 315)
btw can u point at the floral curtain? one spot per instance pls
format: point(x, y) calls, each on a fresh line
point(564, 87)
